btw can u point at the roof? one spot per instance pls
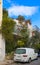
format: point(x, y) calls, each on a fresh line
point(25, 48)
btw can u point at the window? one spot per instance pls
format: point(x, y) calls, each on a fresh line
point(20, 51)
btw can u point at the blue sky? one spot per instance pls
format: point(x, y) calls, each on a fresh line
point(30, 9)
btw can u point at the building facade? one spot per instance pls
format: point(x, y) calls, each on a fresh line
point(19, 26)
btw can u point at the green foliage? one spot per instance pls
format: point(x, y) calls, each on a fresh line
point(24, 31)
point(20, 43)
point(9, 46)
point(25, 35)
point(37, 46)
point(5, 13)
point(36, 38)
point(7, 27)
point(21, 18)
point(7, 30)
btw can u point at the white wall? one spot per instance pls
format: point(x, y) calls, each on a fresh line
point(2, 48)
point(28, 24)
point(0, 12)
point(30, 30)
point(2, 42)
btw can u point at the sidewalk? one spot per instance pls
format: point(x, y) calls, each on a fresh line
point(6, 62)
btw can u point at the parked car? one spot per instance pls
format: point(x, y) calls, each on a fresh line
point(25, 54)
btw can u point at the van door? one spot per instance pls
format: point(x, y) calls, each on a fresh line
point(33, 54)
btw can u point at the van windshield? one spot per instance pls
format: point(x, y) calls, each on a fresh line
point(20, 51)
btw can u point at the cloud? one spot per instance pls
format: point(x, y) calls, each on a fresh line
point(22, 10)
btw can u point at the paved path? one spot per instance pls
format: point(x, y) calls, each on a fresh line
point(35, 62)
point(6, 62)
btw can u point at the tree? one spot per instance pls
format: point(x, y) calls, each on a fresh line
point(7, 27)
point(35, 40)
point(5, 13)
point(25, 35)
point(37, 46)
point(7, 30)
point(36, 37)
point(21, 18)
point(20, 43)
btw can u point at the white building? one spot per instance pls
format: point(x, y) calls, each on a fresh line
point(2, 42)
point(19, 26)
point(29, 28)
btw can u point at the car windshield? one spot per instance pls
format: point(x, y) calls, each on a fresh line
point(20, 51)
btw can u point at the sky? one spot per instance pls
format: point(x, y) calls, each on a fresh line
point(30, 9)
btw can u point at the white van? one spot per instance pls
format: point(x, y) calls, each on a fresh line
point(25, 54)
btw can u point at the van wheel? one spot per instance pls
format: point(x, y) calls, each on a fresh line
point(29, 60)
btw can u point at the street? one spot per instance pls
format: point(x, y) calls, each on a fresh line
point(11, 62)
point(35, 62)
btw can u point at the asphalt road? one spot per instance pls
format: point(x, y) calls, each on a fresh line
point(35, 62)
